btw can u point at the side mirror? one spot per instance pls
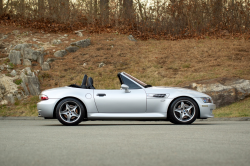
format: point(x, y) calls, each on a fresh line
point(125, 87)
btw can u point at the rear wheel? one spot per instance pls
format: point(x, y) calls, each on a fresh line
point(183, 111)
point(70, 112)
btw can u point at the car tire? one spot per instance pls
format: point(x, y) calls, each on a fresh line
point(183, 110)
point(70, 112)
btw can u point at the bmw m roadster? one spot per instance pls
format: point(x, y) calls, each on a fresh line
point(134, 101)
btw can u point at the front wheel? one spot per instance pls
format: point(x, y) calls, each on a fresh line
point(70, 112)
point(183, 111)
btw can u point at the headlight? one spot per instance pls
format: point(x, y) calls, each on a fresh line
point(43, 97)
point(206, 99)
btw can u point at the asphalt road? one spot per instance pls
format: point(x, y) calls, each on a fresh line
point(118, 143)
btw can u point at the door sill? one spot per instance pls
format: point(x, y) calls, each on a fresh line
point(128, 116)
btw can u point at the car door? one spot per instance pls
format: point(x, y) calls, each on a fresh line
point(118, 101)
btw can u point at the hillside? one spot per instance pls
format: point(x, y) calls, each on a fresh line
point(156, 62)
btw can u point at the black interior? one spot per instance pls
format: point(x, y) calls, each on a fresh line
point(84, 81)
point(87, 83)
point(90, 83)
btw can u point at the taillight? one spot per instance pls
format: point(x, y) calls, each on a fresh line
point(43, 97)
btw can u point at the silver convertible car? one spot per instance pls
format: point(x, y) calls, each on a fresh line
point(134, 101)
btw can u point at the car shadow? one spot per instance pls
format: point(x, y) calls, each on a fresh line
point(127, 124)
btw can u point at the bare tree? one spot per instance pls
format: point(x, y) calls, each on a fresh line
point(217, 12)
point(91, 10)
point(128, 10)
point(53, 9)
point(1, 7)
point(22, 7)
point(95, 8)
point(104, 9)
point(140, 8)
point(41, 8)
point(64, 10)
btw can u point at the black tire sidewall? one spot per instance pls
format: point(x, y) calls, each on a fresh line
point(70, 100)
point(174, 120)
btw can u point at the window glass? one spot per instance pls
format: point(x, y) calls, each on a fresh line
point(130, 83)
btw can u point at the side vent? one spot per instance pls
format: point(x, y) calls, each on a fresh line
point(159, 95)
point(153, 95)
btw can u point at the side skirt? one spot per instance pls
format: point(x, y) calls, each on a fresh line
point(126, 116)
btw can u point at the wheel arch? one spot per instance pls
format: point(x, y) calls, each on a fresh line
point(54, 111)
point(198, 116)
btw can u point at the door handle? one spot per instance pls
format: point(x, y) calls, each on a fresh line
point(101, 94)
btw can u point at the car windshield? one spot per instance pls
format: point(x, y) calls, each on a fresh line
point(137, 80)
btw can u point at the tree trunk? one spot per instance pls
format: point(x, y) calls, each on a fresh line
point(120, 8)
point(64, 10)
point(22, 7)
point(128, 13)
point(104, 9)
point(1, 7)
point(41, 9)
point(217, 12)
point(53, 9)
point(140, 9)
point(95, 9)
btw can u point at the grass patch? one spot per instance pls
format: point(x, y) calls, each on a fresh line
point(17, 81)
point(9, 75)
point(6, 61)
point(28, 107)
point(11, 66)
point(238, 109)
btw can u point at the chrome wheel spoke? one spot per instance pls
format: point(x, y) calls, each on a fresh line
point(184, 110)
point(64, 112)
point(181, 116)
point(189, 108)
point(177, 110)
point(74, 108)
point(75, 114)
point(70, 112)
point(188, 114)
point(182, 105)
point(68, 117)
point(67, 107)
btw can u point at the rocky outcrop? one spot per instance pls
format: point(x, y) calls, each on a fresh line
point(30, 82)
point(27, 54)
point(224, 91)
point(26, 62)
point(72, 49)
point(13, 73)
point(56, 42)
point(60, 53)
point(131, 38)
point(8, 90)
point(26, 81)
point(45, 66)
point(82, 43)
point(15, 57)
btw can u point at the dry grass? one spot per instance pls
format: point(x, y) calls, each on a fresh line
point(26, 107)
point(155, 62)
point(239, 109)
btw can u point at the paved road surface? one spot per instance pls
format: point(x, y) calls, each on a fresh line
point(124, 143)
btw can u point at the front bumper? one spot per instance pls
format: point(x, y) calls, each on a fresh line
point(46, 108)
point(206, 110)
